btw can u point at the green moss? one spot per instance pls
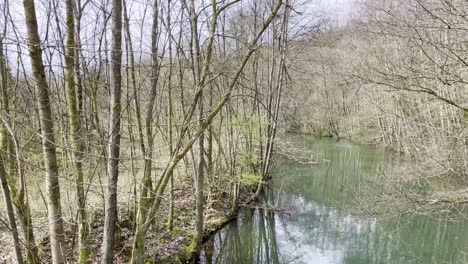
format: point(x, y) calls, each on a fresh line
point(218, 223)
point(173, 260)
point(177, 231)
point(192, 249)
point(85, 256)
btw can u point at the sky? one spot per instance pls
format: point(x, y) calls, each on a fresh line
point(339, 10)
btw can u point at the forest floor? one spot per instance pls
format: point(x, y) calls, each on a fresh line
point(162, 245)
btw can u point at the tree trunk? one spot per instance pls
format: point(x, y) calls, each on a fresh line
point(84, 251)
point(47, 132)
point(146, 195)
point(7, 195)
point(4, 157)
point(170, 218)
point(199, 175)
point(114, 135)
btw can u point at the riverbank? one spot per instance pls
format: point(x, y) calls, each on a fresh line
point(163, 245)
point(215, 220)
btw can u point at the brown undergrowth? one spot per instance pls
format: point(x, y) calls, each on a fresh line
point(163, 245)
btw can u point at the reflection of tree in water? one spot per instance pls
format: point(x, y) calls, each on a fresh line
point(250, 240)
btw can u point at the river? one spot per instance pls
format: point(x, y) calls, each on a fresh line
point(317, 224)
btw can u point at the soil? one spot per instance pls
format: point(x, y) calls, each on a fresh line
point(162, 245)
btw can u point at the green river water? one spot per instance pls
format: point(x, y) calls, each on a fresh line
point(318, 226)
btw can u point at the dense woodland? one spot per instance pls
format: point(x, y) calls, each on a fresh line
point(131, 130)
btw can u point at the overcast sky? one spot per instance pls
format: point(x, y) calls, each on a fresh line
point(338, 10)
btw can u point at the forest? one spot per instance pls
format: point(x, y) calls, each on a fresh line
point(136, 131)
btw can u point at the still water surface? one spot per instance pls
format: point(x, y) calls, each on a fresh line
point(319, 227)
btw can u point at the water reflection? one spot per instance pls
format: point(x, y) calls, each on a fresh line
point(252, 239)
point(317, 228)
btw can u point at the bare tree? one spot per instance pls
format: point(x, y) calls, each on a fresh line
point(115, 112)
point(47, 133)
point(76, 129)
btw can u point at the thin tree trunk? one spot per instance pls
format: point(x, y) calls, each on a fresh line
point(114, 135)
point(7, 195)
point(4, 159)
point(84, 250)
point(131, 81)
point(20, 198)
point(199, 176)
point(279, 90)
point(19, 194)
point(47, 131)
point(146, 195)
point(170, 218)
